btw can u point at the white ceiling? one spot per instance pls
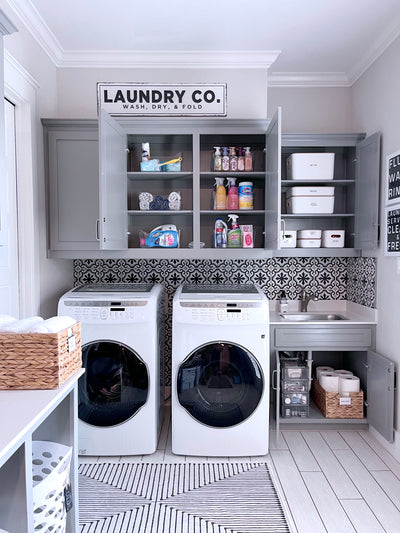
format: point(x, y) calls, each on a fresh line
point(306, 42)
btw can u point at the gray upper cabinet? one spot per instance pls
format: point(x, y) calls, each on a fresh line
point(356, 188)
point(71, 149)
point(94, 183)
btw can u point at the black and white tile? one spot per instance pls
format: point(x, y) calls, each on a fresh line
point(179, 498)
point(332, 278)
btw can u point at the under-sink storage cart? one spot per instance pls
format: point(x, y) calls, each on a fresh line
point(294, 384)
point(341, 347)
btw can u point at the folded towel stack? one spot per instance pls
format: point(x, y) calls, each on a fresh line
point(35, 324)
point(145, 198)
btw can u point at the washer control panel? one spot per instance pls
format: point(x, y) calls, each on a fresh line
point(101, 312)
point(223, 312)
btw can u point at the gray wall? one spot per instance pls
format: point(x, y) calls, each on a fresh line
point(375, 107)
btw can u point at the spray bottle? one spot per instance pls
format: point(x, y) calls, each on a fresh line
point(220, 194)
point(233, 195)
point(234, 234)
point(220, 231)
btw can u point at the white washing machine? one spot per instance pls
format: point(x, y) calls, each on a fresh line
point(121, 394)
point(220, 371)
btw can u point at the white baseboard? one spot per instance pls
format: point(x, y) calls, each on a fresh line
point(392, 447)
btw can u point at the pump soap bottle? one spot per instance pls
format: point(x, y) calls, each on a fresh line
point(220, 194)
point(217, 159)
point(234, 234)
point(225, 159)
point(233, 160)
point(240, 160)
point(248, 159)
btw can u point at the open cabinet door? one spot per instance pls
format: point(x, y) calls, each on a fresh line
point(273, 182)
point(367, 193)
point(113, 185)
point(380, 394)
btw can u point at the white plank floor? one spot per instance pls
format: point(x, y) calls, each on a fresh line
point(329, 481)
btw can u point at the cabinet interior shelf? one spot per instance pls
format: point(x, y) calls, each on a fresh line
point(158, 175)
point(234, 211)
point(317, 182)
point(318, 215)
point(316, 416)
point(160, 212)
point(219, 174)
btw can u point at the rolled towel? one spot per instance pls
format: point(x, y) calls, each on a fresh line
point(174, 200)
point(145, 198)
point(24, 325)
point(58, 323)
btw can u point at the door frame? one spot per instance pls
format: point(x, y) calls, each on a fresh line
point(20, 88)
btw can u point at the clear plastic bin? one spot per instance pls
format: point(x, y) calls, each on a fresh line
point(298, 411)
point(295, 398)
point(50, 473)
point(295, 385)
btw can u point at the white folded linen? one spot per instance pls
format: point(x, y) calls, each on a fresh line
point(22, 326)
point(5, 320)
point(58, 323)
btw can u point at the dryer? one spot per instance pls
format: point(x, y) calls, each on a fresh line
point(121, 394)
point(220, 370)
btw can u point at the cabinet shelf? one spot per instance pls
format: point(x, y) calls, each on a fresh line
point(156, 212)
point(317, 215)
point(318, 182)
point(158, 175)
point(316, 417)
point(234, 211)
point(219, 174)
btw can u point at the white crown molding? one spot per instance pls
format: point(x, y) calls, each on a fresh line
point(308, 79)
point(10, 63)
point(170, 59)
point(375, 51)
point(39, 30)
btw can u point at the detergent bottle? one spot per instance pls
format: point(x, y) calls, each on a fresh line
point(234, 234)
point(233, 195)
point(220, 194)
point(220, 231)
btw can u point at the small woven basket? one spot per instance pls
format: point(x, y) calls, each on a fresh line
point(39, 360)
point(329, 403)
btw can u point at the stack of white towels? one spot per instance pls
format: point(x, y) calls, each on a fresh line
point(35, 324)
point(338, 381)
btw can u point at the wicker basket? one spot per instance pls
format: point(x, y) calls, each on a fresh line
point(329, 403)
point(39, 360)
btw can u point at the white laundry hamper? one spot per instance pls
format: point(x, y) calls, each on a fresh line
point(50, 470)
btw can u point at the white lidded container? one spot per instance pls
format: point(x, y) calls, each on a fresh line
point(309, 200)
point(288, 238)
point(309, 166)
point(309, 238)
point(333, 238)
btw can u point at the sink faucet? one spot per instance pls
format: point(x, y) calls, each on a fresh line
point(305, 299)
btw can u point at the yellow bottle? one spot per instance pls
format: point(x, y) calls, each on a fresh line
point(220, 194)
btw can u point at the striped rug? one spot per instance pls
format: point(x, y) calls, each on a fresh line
point(179, 498)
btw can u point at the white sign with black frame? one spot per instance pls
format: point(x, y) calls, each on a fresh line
point(392, 192)
point(392, 231)
point(160, 99)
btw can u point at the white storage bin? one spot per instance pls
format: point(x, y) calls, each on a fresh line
point(288, 238)
point(309, 243)
point(309, 200)
point(318, 166)
point(309, 234)
point(50, 470)
point(333, 238)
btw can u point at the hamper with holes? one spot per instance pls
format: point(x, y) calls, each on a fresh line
point(50, 469)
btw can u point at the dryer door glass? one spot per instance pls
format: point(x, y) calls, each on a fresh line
point(220, 384)
point(115, 385)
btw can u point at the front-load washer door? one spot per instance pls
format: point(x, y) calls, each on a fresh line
point(115, 385)
point(220, 384)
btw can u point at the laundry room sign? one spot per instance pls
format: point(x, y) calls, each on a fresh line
point(142, 99)
point(393, 178)
point(392, 240)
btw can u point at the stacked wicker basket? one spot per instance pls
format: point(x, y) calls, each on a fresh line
point(39, 360)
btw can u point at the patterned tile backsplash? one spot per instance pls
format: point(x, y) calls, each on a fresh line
point(331, 278)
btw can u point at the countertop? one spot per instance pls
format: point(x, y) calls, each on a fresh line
point(355, 313)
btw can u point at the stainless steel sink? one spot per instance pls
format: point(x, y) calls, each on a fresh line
point(308, 317)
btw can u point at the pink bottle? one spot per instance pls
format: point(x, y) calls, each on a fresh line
point(233, 195)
